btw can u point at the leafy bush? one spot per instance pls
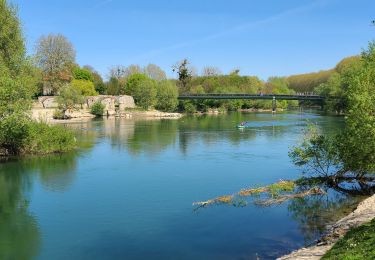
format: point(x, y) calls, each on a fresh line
point(143, 90)
point(43, 138)
point(59, 114)
point(20, 135)
point(97, 109)
point(189, 108)
point(166, 97)
point(69, 98)
point(14, 130)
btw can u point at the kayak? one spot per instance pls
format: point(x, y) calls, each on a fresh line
point(242, 125)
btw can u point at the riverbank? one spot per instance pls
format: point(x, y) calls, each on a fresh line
point(46, 115)
point(363, 214)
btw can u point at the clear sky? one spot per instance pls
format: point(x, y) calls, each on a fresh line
point(260, 37)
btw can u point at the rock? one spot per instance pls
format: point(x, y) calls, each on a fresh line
point(125, 102)
point(79, 114)
point(48, 102)
point(364, 213)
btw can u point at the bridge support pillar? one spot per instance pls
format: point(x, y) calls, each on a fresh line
point(274, 105)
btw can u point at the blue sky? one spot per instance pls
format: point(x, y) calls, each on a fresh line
point(260, 37)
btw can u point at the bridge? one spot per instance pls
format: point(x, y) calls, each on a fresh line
point(301, 97)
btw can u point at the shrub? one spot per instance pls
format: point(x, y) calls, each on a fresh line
point(143, 90)
point(43, 138)
point(189, 108)
point(59, 114)
point(14, 130)
point(166, 98)
point(97, 109)
point(20, 135)
point(69, 98)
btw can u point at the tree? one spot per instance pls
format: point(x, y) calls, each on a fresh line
point(83, 74)
point(117, 72)
point(114, 86)
point(15, 83)
point(351, 153)
point(99, 84)
point(55, 56)
point(132, 69)
point(210, 71)
point(155, 72)
point(143, 90)
point(184, 73)
point(166, 96)
point(12, 50)
point(69, 98)
point(356, 143)
point(84, 86)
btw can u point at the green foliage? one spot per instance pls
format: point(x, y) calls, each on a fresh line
point(309, 81)
point(20, 135)
point(279, 187)
point(189, 107)
point(69, 98)
point(358, 243)
point(14, 130)
point(100, 88)
point(43, 139)
point(59, 114)
point(82, 74)
point(356, 143)
point(99, 84)
point(12, 50)
point(143, 90)
point(166, 97)
point(184, 74)
point(84, 86)
point(115, 86)
point(317, 153)
point(346, 63)
point(97, 109)
point(353, 150)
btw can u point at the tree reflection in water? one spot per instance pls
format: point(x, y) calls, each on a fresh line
point(19, 232)
point(314, 213)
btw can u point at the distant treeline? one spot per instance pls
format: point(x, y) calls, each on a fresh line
point(309, 81)
point(151, 88)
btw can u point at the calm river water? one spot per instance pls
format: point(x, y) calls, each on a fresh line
point(128, 192)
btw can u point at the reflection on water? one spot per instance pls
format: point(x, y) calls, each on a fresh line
point(313, 213)
point(127, 192)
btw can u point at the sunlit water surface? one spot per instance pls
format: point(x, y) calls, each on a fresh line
point(128, 192)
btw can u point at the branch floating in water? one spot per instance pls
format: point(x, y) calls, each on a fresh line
point(275, 190)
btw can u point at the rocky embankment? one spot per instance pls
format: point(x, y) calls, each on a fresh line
point(117, 106)
point(364, 213)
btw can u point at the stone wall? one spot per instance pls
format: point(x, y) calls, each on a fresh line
point(110, 102)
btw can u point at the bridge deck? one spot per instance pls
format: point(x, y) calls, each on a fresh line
point(251, 96)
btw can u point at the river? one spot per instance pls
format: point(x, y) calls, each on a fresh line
point(127, 192)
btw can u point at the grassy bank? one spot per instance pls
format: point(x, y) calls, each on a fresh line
point(358, 243)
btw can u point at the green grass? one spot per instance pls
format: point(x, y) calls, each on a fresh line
point(358, 243)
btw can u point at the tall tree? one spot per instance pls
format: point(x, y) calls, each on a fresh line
point(155, 72)
point(210, 71)
point(100, 87)
point(55, 55)
point(184, 73)
point(12, 48)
